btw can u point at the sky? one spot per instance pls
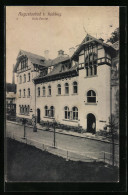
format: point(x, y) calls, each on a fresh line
point(54, 28)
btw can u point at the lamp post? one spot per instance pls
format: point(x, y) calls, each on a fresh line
point(24, 122)
point(54, 138)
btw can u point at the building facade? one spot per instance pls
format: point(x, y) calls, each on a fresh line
point(10, 99)
point(74, 90)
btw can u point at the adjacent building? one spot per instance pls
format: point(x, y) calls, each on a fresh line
point(11, 99)
point(74, 89)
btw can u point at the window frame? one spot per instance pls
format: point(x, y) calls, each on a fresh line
point(44, 90)
point(38, 91)
point(59, 89)
point(66, 89)
point(75, 87)
point(49, 90)
point(75, 113)
point(91, 98)
point(46, 113)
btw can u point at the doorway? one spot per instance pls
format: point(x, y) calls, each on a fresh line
point(91, 123)
point(38, 115)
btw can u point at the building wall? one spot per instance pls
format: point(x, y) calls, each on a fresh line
point(101, 109)
point(28, 84)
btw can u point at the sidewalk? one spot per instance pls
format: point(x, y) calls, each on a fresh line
point(82, 135)
point(70, 133)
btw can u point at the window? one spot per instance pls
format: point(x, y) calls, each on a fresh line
point(28, 92)
point(28, 76)
point(20, 79)
point(67, 112)
point(38, 91)
point(52, 111)
point(59, 89)
point(28, 109)
point(36, 68)
point(20, 93)
point(91, 64)
point(91, 96)
point(24, 78)
point(24, 109)
point(75, 113)
point(43, 91)
point(24, 92)
point(66, 88)
point(49, 90)
point(46, 110)
point(75, 88)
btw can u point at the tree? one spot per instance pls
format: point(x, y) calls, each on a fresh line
point(114, 36)
point(113, 125)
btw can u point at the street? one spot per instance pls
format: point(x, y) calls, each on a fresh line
point(76, 144)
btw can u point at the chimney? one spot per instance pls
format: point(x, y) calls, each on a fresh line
point(46, 54)
point(71, 51)
point(13, 76)
point(60, 53)
point(102, 40)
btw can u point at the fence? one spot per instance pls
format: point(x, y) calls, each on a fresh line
point(66, 153)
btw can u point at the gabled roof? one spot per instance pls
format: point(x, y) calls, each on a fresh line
point(34, 58)
point(88, 39)
point(40, 60)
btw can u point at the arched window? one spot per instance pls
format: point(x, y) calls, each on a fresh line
point(28, 92)
point(43, 91)
point(29, 76)
point(38, 91)
point(66, 88)
point(20, 79)
point(91, 96)
point(46, 110)
point(49, 90)
point(52, 111)
point(26, 109)
point(24, 92)
point(24, 78)
point(22, 109)
point(20, 93)
point(67, 112)
point(59, 89)
point(75, 87)
point(75, 113)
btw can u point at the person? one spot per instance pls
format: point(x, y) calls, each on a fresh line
point(93, 127)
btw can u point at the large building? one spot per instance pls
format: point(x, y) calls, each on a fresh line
point(74, 90)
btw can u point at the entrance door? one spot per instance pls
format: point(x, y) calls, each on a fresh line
point(91, 123)
point(38, 115)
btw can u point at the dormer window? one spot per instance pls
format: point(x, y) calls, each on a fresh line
point(36, 68)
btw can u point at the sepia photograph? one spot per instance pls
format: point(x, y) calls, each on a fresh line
point(62, 94)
